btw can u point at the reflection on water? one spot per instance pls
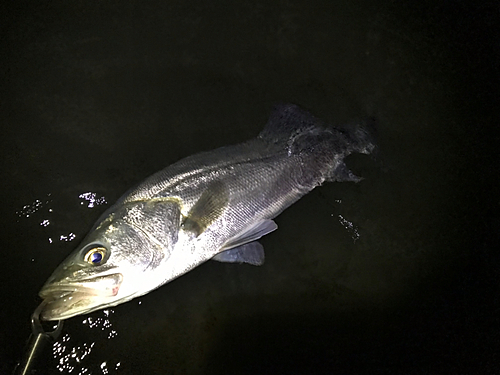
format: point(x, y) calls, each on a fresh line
point(35, 209)
point(103, 323)
point(91, 103)
point(74, 353)
point(93, 199)
point(70, 237)
point(350, 227)
point(70, 357)
point(30, 208)
point(80, 358)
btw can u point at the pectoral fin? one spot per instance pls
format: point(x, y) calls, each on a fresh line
point(251, 253)
point(252, 233)
point(207, 209)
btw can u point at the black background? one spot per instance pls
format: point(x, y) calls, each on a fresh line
point(95, 96)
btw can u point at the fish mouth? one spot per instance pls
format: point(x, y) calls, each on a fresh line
point(63, 300)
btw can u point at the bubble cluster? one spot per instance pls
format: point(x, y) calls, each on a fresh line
point(69, 237)
point(351, 228)
point(69, 357)
point(31, 208)
point(103, 323)
point(74, 359)
point(104, 368)
point(92, 199)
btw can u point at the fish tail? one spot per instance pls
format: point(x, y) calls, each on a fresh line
point(321, 148)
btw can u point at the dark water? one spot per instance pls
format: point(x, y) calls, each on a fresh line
point(395, 275)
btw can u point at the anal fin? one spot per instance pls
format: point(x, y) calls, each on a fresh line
point(251, 253)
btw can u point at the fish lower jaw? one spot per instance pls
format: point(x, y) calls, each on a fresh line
point(65, 300)
point(65, 306)
point(107, 285)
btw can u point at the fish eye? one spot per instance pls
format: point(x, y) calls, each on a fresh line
point(95, 255)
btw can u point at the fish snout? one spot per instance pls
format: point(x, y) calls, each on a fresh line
point(65, 298)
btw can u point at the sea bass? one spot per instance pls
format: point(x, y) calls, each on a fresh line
point(212, 205)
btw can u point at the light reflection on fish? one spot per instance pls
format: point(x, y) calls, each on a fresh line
point(212, 205)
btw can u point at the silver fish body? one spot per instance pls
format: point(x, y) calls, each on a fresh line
point(212, 205)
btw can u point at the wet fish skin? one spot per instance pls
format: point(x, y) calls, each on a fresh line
point(212, 205)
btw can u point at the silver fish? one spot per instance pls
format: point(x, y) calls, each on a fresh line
point(212, 205)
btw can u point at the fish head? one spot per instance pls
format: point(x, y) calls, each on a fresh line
point(111, 266)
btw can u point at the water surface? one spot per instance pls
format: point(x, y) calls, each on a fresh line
point(396, 274)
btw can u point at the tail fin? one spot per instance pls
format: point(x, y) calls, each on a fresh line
point(288, 123)
point(300, 133)
point(362, 136)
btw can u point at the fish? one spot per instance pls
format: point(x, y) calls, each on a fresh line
point(211, 205)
